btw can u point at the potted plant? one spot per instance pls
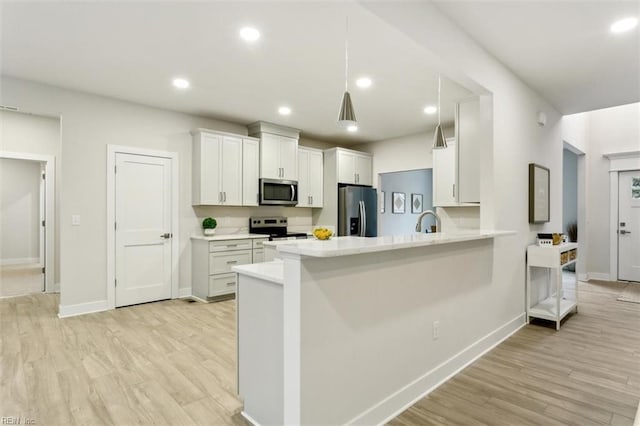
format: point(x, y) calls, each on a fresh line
point(209, 226)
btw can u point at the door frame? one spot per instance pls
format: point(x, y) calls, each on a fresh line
point(49, 162)
point(112, 150)
point(618, 162)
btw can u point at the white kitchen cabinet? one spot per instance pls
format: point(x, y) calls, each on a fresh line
point(562, 297)
point(278, 150)
point(250, 171)
point(217, 168)
point(456, 169)
point(212, 260)
point(310, 177)
point(354, 167)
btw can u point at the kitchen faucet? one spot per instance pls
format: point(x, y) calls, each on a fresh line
point(425, 213)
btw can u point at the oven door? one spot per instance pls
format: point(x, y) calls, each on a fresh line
point(278, 192)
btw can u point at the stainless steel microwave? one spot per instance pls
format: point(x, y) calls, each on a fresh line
point(278, 192)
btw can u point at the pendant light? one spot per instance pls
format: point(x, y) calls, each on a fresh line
point(439, 141)
point(347, 117)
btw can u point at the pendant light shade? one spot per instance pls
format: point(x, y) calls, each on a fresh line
point(439, 142)
point(347, 116)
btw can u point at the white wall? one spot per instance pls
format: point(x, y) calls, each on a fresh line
point(35, 134)
point(19, 211)
point(512, 142)
point(88, 124)
point(609, 130)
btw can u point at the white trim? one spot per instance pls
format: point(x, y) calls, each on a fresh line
point(65, 311)
point(184, 292)
point(583, 277)
point(249, 418)
point(112, 150)
point(422, 386)
point(50, 211)
point(55, 289)
point(601, 277)
point(618, 162)
point(19, 261)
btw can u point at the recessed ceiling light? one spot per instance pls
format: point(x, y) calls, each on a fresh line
point(623, 25)
point(283, 110)
point(352, 128)
point(181, 83)
point(249, 34)
point(430, 109)
point(363, 82)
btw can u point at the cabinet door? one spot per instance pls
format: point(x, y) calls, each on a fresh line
point(270, 156)
point(444, 175)
point(289, 158)
point(346, 167)
point(363, 170)
point(468, 129)
point(231, 167)
point(304, 199)
point(258, 256)
point(210, 151)
point(316, 178)
point(250, 171)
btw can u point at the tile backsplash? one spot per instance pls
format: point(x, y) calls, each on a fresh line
point(459, 218)
point(235, 220)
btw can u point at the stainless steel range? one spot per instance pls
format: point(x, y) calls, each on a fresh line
point(275, 227)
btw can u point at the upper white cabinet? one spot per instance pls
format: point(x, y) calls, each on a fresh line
point(456, 169)
point(354, 167)
point(278, 150)
point(310, 177)
point(250, 171)
point(218, 168)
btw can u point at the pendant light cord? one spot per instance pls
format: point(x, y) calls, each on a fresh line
point(438, 100)
point(346, 55)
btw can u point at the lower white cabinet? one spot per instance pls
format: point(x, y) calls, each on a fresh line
point(212, 262)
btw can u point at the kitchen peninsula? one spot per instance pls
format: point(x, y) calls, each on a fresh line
point(352, 330)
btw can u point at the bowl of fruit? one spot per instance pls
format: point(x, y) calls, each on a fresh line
point(322, 233)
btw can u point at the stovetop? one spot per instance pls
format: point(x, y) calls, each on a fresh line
point(275, 227)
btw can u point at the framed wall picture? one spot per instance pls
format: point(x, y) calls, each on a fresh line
point(382, 199)
point(539, 188)
point(416, 203)
point(398, 202)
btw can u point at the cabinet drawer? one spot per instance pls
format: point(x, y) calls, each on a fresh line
point(257, 242)
point(222, 284)
point(224, 245)
point(222, 262)
point(258, 256)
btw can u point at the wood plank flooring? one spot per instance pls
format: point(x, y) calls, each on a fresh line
point(16, 280)
point(173, 363)
point(169, 363)
point(588, 373)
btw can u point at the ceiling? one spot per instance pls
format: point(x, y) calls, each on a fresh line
point(132, 51)
point(562, 49)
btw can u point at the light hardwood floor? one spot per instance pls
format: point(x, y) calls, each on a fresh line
point(173, 363)
point(17, 280)
point(588, 373)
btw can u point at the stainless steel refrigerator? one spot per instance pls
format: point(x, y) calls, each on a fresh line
point(357, 211)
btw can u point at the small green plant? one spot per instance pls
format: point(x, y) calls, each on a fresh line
point(209, 223)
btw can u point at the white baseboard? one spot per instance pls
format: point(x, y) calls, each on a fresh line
point(599, 276)
point(249, 418)
point(583, 277)
point(399, 401)
point(19, 261)
point(82, 308)
point(184, 292)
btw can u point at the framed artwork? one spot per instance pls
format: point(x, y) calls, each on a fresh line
point(382, 200)
point(538, 194)
point(398, 202)
point(416, 203)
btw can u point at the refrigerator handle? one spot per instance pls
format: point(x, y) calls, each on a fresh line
point(363, 219)
point(364, 214)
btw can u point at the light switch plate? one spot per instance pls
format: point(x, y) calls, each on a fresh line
point(75, 219)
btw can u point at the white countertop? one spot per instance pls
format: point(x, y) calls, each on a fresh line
point(228, 237)
point(268, 271)
point(344, 246)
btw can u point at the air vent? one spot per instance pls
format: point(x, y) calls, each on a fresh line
point(9, 108)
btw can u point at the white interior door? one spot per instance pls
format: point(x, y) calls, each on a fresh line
point(629, 226)
point(143, 229)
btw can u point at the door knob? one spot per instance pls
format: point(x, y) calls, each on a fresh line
point(622, 231)
point(166, 235)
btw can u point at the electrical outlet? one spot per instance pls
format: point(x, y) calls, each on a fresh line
point(436, 330)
